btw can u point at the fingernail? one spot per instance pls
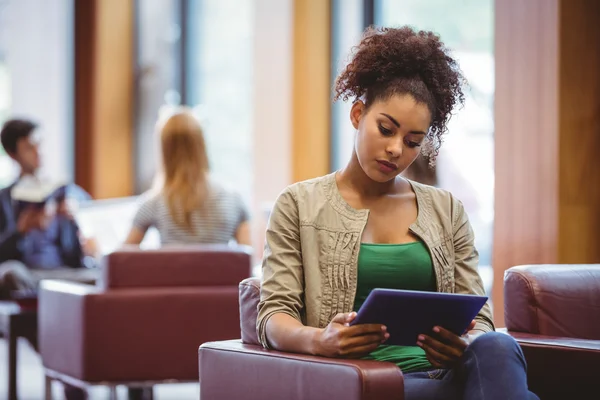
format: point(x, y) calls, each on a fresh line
point(383, 328)
point(419, 344)
point(421, 337)
point(387, 335)
point(436, 329)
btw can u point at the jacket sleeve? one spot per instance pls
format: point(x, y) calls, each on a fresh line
point(282, 286)
point(69, 243)
point(9, 246)
point(9, 237)
point(466, 275)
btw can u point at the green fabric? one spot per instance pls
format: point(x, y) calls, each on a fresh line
point(395, 266)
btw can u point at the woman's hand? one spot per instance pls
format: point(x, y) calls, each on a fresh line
point(339, 339)
point(444, 348)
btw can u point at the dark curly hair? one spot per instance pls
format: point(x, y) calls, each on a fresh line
point(390, 61)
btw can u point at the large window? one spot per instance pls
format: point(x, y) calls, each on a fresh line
point(36, 78)
point(465, 164)
point(198, 53)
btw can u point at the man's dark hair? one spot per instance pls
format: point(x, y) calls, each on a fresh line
point(14, 130)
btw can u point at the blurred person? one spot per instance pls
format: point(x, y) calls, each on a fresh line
point(186, 205)
point(36, 244)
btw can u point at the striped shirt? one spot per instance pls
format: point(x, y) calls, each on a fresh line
point(222, 214)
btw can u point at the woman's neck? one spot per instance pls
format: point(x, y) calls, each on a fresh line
point(354, 176)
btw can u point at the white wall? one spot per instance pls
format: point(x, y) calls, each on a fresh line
point(38, 43)
point(272, 133)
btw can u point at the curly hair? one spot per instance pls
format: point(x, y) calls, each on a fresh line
point(390, 61)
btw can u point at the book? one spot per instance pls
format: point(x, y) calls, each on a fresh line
point(32, 192)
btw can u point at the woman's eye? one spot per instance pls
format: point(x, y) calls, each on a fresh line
point(413, 144)
point(384, 131)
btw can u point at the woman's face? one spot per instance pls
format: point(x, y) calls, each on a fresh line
point(389, 135)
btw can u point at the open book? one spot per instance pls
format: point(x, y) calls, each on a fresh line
point(30, 191)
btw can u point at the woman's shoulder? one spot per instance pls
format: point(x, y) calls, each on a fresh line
point(149, 197)
point(315, 188)
point(439, 202)
point(223, 191)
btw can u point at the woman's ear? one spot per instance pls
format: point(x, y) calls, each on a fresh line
point(356, 113)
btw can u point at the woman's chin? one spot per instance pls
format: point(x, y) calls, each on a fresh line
point(380, 176)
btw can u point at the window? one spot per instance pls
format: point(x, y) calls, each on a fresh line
point(465, 165)
point(158, 77)
point(219, 57)
point(198, 53)
point(347, 26)
point(31, 31)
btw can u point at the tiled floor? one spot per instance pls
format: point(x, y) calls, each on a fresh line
point(31, 380)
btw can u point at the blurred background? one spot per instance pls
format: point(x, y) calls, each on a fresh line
point(520, 155)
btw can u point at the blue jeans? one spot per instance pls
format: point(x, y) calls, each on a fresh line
point(492, 368)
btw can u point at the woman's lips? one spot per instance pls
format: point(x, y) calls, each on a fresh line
point(386, 166)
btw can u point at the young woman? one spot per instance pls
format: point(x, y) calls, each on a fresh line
point(186, 206)
point(331, 240)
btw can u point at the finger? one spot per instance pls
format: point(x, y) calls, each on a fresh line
point(471, 326)
point(342, 318)
point(434, 354)
point(449, 338)
point(441, 347)
point(365, 329)
point(359, 351)
point(435, 363)
point(362, 340)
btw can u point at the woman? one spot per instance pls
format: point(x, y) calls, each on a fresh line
point(186, 206)
point(332, 239)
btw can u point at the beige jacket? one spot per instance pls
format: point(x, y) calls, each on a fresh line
point(312, 243)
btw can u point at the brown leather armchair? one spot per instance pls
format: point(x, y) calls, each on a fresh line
point(553, 311)
point(239, 369)
point(144, 322)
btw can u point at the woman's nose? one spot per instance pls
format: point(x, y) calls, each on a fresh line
point(394, 148)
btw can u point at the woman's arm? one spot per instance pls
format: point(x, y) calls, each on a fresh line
point(466, 274)
point(286, 333)
point(243, 234)
point(143, 219)
point(282, 298)
point(135, 236)
point(282, 286)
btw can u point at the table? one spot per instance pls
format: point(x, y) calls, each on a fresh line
point(14, 322)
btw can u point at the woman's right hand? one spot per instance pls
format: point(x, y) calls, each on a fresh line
point(341, 340)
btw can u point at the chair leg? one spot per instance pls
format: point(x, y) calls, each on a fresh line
point(113, 393)
point(48, 388)
point(140, 393)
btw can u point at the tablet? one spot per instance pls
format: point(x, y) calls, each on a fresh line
point(409, 313)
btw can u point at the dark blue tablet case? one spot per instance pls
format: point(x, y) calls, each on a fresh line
point(408, 313)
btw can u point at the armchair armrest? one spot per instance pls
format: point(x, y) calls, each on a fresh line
point(233, 370)
point(559, 367)
point(62, 304)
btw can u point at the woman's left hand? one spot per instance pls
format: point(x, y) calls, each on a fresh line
point(445, 348)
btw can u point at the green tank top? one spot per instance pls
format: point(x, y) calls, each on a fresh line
point(395, 266)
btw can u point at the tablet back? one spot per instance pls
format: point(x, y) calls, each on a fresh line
point(407, 313)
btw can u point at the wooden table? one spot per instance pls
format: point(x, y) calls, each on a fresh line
point(14, 322)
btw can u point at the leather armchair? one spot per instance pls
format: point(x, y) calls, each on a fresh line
point(238, 369)
point(144, 322)
point(553, 311)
